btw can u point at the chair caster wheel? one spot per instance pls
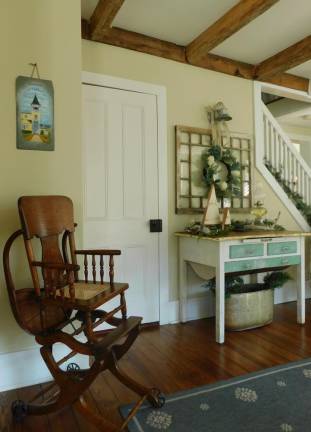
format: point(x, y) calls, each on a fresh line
point(73, 367)
point(19, 410)
point(156, 398)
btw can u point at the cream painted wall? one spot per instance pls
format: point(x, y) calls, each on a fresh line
point(47, 32)
point(189, 90)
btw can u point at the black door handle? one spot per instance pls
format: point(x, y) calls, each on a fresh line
point(155, 225)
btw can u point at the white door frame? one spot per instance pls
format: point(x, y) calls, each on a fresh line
point(160, 93)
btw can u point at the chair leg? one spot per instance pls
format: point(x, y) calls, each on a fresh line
point(102, 424)
point(153, 395)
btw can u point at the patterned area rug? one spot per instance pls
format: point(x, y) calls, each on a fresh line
point(273, 400)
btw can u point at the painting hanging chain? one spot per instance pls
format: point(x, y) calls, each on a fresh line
point(34, 69)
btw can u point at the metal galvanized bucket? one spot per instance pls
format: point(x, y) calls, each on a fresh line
point(249, 310)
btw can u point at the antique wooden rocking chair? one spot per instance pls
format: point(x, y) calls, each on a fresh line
point(47, 311)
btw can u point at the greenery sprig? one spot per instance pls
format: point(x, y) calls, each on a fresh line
point(236, 285)
point(269, 224)
point(195, 228)
point(295, 197)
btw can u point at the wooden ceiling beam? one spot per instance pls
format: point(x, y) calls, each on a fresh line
point(246, 70)
point(293, 56)
point(138, 42)
point(149, 45)
point(103, 15)
point(236, 18)
point(225, 65)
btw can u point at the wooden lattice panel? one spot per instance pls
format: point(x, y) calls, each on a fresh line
point(191, 192)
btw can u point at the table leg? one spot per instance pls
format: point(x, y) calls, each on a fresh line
point(301, 285)
point(183, 284)
point(220, 298)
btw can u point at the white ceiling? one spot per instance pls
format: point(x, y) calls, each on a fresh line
point(278, 28)
point(297, 122)
point(303, 70)
point(300, 119)
point(290, 112)
point(180, 21)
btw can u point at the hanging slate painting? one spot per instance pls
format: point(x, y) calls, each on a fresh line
point(34, 114)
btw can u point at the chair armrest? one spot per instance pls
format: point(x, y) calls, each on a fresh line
point(53, 284)
point(98, 252)
point(101, 253)
point(56, 266)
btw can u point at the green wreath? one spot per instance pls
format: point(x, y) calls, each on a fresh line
point(213, 158)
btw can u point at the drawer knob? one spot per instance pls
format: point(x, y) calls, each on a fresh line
point(285, 248)
point(249, 251)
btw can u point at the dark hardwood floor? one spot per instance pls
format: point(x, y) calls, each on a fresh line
point(177, 357)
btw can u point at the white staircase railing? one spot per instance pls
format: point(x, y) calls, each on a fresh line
point(280, 163)
point(282, 156)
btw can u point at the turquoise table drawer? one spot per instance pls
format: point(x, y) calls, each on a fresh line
point(282, 248)
point(238, 266)
point(246, 250)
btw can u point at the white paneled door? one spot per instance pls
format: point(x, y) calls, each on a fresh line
point(121, 188)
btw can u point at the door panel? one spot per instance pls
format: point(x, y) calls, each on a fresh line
point(121, 188)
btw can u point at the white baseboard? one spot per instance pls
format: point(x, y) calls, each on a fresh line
point(25, 368)
point(289, 292)
point(204, 306)
point(197, 308)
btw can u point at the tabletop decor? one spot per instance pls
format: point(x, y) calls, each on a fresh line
point(195, 228)
point(211, 215)
point(258, 210)
point(34, 114)
point(257, 224)
point(272, 400)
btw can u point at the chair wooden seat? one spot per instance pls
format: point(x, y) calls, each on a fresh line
point(88, 295)
point(65, 300)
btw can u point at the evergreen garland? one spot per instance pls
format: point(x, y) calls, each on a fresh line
point(235, 284)
point(295, 197)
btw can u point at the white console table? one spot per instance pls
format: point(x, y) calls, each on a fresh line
point(241, 253)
